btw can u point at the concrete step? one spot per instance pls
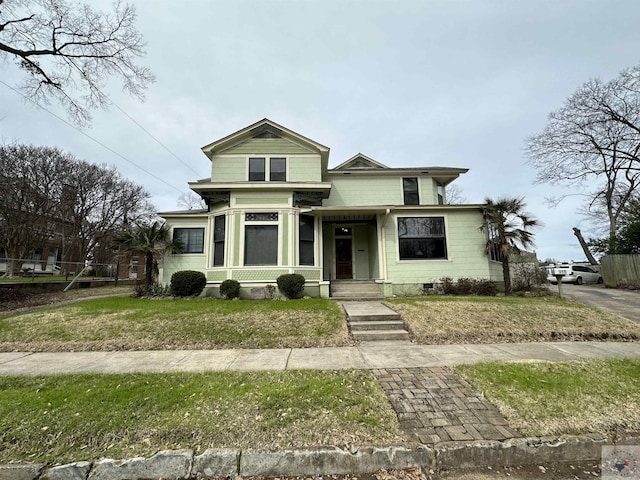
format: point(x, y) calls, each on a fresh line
point(357, 298)
point(380, 317)
point(380, 325)
point(381, 335)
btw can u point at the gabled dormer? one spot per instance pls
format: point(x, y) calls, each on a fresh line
point(266, 151)
point(265, 157)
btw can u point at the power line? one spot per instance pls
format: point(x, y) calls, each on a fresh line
point(90, 137)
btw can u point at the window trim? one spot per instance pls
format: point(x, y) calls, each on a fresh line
point(267, 167)
point(307, 242)
point(405, 191)
point(447, 255)
point(219, 241)
point(184, 251)
point(257, 223)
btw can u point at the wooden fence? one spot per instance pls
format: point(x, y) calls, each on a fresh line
point(620, 270)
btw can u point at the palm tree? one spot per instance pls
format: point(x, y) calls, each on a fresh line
point(150, 240)
point(508, 226)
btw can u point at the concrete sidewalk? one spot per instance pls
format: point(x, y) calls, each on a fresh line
point(374, 355)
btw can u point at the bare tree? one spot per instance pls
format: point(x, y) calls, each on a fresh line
point(48, 194)
point(454, 195)
point(68, 51)
point(594, 136)
point(191, 201)
point(97, 203)
point(30, 194)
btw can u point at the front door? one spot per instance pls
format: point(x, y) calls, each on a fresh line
point(344, 258)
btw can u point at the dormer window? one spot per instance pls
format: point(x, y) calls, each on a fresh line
point(256, 170)
point(273, 169)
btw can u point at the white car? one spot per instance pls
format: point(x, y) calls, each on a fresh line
point(577, 274)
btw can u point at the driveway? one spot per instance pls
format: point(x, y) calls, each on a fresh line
point(625, 303)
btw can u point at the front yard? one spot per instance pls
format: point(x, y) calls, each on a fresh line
point(554, 398)
point(74, 417)
point(442, 320)
point(124, 323)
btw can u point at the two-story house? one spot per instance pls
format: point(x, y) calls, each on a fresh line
point(274, 207)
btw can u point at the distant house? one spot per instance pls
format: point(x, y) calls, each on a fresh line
point(274, 207)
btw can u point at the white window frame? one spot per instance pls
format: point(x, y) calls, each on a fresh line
point(246, 223)
point(267, 167)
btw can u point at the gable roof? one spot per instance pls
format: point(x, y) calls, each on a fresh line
point(359, 162)
point(266, 128)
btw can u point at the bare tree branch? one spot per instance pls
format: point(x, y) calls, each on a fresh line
point(68, 51)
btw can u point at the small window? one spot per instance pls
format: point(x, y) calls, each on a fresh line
point(306, 240)
point(278, 169)
point(261, 217)
point(440, 194)
point(410, 191)
point(191, 239)
point(256, 170)
point(219, 227)
point(421, 238)
point(261, 245)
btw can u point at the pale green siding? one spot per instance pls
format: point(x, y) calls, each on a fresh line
point(428, 191)
point(173, 262)
point(352, 190)
point(360, 190)
point(229, 169)
point(361, 252)
point(304, 169)
point(465, 250)
point(266, 146)
point(300, 168)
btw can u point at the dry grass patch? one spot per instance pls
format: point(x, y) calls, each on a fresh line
point(554, 398)
point(123, 323)
point(73, 417)
point(437, 320)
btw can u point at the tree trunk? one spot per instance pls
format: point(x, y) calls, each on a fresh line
point(584, 246)
point(506, 273)
point(148, 269)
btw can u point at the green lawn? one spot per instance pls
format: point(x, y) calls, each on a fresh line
point(124, 323)
point(440, 319)
point(74, 417)
point(553, 398)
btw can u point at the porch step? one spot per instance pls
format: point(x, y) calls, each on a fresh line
point(376, 325)
point(355, 290)
point(380, 335)
point(372, 322)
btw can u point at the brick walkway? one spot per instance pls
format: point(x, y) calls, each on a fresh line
point(435, 405)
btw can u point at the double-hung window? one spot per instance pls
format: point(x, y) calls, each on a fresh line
point(306, 240)
point(410, 191)
point(421, 238)
point(219, 228)
point(191, 239)
point(261, 239)
point(269, 169)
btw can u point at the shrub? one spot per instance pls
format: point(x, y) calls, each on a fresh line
point(486, 288)
point(465, 286)
point(291, 285)
point(448, 287)
point(230, 289)
point(187, 283)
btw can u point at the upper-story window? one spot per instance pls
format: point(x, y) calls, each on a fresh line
point(271, 169)
point(410, 191)
point(440, 194)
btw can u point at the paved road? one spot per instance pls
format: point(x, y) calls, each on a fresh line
point(625, 303)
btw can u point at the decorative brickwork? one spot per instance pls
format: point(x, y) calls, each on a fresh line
point(435, 405)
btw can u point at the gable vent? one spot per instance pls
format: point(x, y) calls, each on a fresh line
point(266, 134)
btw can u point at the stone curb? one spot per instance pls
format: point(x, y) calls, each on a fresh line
point(184, 465)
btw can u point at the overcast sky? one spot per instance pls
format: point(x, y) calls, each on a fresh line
point(407, 83)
